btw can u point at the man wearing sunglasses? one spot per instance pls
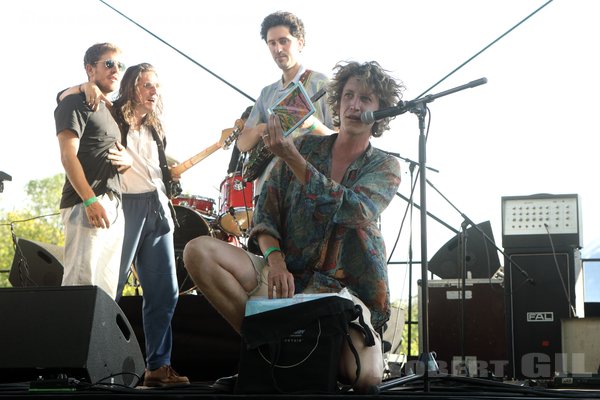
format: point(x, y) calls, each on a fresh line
point(92, 158)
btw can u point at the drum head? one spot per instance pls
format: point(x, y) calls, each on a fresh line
point(236, 221)
point(191, 225)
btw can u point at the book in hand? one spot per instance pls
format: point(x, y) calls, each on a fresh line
point(293, 108)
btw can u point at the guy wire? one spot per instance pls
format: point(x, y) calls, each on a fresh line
point(179, 51)
point(485, 48)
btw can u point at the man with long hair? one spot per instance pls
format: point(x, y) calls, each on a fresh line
point(316, 220)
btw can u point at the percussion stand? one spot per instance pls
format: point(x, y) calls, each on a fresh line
point(419, 108)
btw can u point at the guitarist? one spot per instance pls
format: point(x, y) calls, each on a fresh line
point(284, 34)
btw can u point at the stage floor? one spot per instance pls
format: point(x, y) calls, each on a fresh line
point(444, 387)
point(206, 348)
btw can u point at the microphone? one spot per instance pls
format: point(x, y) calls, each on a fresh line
point(368, 117)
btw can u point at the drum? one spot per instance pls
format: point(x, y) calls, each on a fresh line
point(236, 204)
point(201, 204)
point(191, 225)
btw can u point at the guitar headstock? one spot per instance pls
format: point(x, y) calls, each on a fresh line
point(229, 135)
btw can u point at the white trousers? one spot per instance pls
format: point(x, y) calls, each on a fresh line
point(93, 255)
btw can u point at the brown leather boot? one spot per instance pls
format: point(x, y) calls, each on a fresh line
point(164, 376)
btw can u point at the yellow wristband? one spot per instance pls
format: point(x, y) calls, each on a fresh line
point(269, 251)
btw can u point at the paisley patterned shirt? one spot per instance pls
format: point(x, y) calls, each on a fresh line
point(329, 231)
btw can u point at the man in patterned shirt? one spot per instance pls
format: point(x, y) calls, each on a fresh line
point(316, 219)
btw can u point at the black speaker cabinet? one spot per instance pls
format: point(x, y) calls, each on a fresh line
point(548, 289)
point(36, 264)
point(76, 332)
point(474, 328)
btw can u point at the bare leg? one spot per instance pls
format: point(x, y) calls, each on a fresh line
point(371, 358)
point(223, 273)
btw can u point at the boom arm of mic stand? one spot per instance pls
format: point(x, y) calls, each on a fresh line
point(428, 213)
point(418, 102)
point(408, 160)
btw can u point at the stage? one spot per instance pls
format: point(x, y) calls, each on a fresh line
point(205, 348)
point(439, 388)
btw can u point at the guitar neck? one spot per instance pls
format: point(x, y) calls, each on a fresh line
point(189, 163)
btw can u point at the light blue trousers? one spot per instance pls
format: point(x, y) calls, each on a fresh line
point(148, 244)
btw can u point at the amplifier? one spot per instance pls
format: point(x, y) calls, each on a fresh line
point(541, 220)
point(535, 305)
point(473, 329)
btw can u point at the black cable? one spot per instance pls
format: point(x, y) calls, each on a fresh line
point(560, 277)
point(179, 51)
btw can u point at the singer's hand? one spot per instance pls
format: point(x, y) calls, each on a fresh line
point(274, 140)
point(284, 148)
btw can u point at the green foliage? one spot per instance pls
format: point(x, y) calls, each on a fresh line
point(414, 339)
point(39, 220)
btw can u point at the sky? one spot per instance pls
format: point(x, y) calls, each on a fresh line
point(532, 128)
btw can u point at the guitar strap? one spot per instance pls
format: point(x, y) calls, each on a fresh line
point(304, 77)
point(162, 158)
point(166, 174)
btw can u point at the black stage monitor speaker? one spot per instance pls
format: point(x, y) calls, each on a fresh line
point(73, 331)
point(481, 255)
point(36, 264)
point(536, 303)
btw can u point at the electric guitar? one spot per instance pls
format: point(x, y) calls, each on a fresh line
point(260, 156)
point(228, 136)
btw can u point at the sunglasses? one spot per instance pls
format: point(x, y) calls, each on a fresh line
point(109, 64)
point(150, 85)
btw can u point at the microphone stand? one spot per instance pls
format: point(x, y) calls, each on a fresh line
point(411, 205)
point(463, 269)
point(419, 108)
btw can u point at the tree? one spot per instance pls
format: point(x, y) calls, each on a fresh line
point(39, 220)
